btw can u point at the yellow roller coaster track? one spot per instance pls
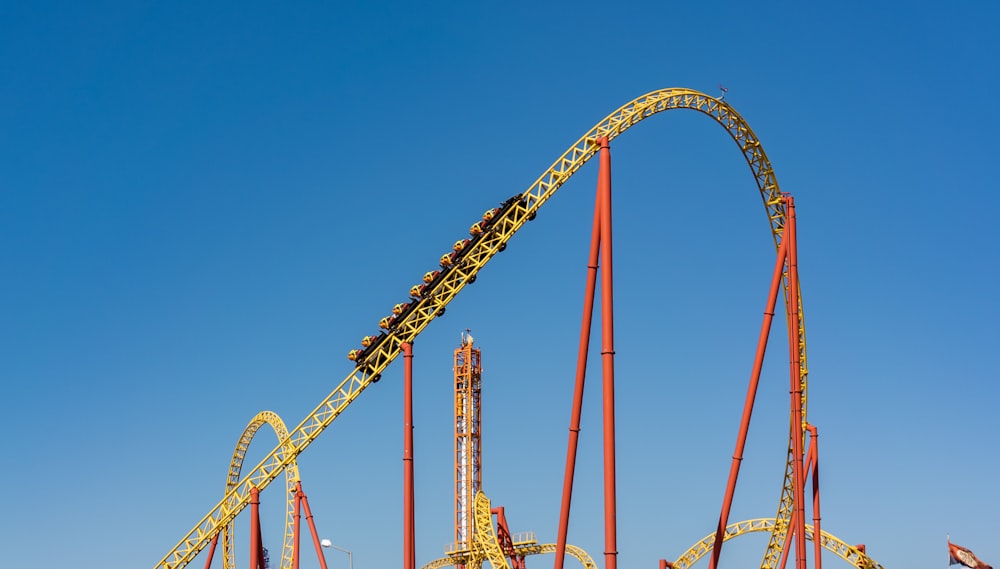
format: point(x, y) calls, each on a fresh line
point(291, 477)
point(533, 549)
point(686, 560)
point(464, 270)
point(484, 542)
point(486, 547)
point(848, 553)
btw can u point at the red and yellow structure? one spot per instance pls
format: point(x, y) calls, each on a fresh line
point(481, 531)
point(460, 266)
point(468, 438)
point(297, 503)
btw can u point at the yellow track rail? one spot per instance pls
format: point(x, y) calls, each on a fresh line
point(533, 549)
point(473, 259)
point(848, 553)
point(291, 477)
point(484, 543)
point(486, 546)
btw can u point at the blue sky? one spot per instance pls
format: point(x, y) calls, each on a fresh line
point(204, 207)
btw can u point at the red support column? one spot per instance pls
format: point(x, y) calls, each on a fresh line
point(581, 374)
point(741, 438)
point(608, 359)
point(312, 530)
point(798, 480)
point(409, 547)
point(297, 525)
point(211, 550)
point(814, 465)
point(255, 544)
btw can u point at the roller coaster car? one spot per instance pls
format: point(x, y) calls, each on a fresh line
point(418, 291)
point(399, 312)
point(449, 259)
point(358, 356)
point(511, 201)
point(369, 343)
point(504, 208)
point(386, 323)
point(490, 214)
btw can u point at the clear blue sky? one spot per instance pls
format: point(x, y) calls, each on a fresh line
point(204, 207)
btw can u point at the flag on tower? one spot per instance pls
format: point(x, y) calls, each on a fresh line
point(963, 556)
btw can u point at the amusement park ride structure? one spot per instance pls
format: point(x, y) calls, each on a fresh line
point(477, 538)
point(468, 437)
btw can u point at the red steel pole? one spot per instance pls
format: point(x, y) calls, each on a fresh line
point(790, 536)
point(255, 544)
point(211, 550)
point(798, 481)
point(741, 438)
point(608, 359)
point(312, 529)
point(814, 464)
point(581, 374)
point(409, 548)
point(297, 525)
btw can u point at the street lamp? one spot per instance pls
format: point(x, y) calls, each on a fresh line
point(350, 556)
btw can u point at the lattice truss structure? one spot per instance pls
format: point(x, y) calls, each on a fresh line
point(468, 437)
point(460, 268)
point(485, 545)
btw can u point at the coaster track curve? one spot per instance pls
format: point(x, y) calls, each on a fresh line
point(438, 291)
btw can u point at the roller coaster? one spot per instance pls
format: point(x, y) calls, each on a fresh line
point(787, 530)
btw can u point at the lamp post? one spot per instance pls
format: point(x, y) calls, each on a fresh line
point(350, 556)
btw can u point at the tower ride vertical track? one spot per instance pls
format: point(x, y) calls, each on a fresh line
point(470, 256)
point(468, 438)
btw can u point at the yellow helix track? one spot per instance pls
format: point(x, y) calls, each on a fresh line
point(486, 547)
point(478, 253)
point(484, 542)
point(291, 477)
point(848, 553)
point(533, 549)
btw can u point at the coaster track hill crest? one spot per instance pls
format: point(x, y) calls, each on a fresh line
point(460, 267)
